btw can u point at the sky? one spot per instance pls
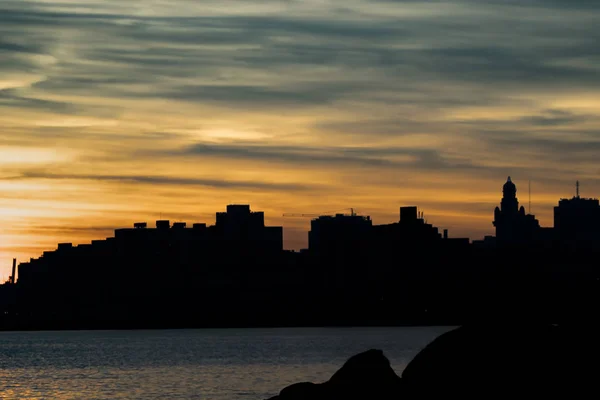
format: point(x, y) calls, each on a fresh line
point(114, 112)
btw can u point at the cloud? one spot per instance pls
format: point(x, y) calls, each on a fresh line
point(11, 98)
point(69, 230)
point(251, 96)
point(351, 56)
point(552, 4)
point(559, 149)
point(380, 70)
point(163, 180)
point(284, 154)
point(384, 157)
point(555, 118)
point(551, 118)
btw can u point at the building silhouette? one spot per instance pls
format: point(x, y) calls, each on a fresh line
point(237, 273)
point(513, 225)
point(410, 230)
point(170, 271)
point(577, 221)
point(338, 233)
point(340, 246)
point(238, 223)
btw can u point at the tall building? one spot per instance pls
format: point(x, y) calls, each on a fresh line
point(513, 225)
point(411, 230)
point(239, 223)
point(577, 220)
point(340, 247)
point(332, 233)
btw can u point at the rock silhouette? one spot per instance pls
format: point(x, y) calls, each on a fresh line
point(367, 375)
point(483, 361)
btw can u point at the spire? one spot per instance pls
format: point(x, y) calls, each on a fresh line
point(509, 189)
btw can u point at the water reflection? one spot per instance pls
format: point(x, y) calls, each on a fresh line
point(187, 364)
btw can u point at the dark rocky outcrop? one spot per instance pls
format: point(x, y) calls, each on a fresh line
point(530, 361)
point(367, 375)
point(482, 361)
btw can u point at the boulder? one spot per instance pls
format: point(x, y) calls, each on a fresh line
point(512, 361)
point(302, 391)
point(367, 375)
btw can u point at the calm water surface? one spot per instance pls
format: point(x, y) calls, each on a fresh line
point(188, 364)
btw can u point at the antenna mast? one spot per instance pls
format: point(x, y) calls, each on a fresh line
point(530, 211)
point(577, 189)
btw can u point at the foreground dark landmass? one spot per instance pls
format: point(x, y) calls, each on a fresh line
point(479, 361)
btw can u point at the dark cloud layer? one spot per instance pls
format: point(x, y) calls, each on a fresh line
point(162, 180)
point(12, 98)
point(392, 54)
point(418, 159)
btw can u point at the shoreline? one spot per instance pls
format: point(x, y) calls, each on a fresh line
point(49, 328)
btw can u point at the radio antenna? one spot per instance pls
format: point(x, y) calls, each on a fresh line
point(530, 211)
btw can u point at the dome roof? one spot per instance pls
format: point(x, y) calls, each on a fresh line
point(509, 190)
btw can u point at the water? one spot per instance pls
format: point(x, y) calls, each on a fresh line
point(188, 364)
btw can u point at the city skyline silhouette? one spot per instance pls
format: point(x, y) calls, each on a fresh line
point(299, 242)
point(227, 199)
point(163, 274)
point(291, 222)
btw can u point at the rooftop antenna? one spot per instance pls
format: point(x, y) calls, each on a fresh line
point(577, 189)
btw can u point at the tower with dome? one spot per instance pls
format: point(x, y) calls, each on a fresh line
point(513, 225)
